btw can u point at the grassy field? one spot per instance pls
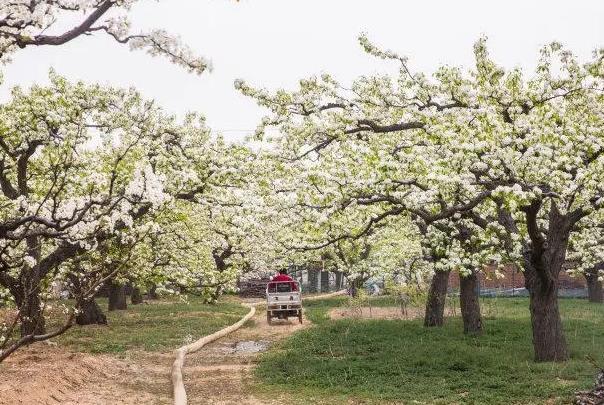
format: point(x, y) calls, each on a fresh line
point(157, 326)
point(379, 361)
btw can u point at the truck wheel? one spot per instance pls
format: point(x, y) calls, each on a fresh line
point(300, 316)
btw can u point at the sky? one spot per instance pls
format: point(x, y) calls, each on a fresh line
point(275, 43)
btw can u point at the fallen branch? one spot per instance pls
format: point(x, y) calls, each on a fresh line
point(594, 396)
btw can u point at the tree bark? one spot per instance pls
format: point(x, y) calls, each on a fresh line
point(543, 263)
point(152, 294)
point(470, 303)
point(356, 285)
point(30, 313)
point(339, 280)
point(91, 314)
point(136, 297)
point(548, 337)
point(437, 295)
point(324, 281)
point(215, 294)
point(117, 297)
point(594, 286)
point(313, 276)
point(28, 300)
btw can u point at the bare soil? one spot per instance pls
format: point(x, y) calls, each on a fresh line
point(220, 373)
point(45, 374)
point(381, 313)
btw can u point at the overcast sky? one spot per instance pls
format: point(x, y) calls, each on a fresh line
point(274, 43)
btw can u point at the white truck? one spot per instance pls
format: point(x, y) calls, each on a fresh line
point(283, 300)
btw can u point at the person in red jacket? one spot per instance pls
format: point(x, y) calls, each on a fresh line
point(283, 276)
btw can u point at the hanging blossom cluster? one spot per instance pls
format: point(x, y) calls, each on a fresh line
point(25, 23)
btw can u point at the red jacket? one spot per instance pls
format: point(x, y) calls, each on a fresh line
point(283, 277)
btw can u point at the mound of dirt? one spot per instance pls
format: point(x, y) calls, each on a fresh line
point(44, 374)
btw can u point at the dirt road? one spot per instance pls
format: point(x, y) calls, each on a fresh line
point(219, 374)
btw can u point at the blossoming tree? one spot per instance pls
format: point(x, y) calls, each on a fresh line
point(527, 151)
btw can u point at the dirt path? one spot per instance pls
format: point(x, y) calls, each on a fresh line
point(217, 374)
point(220, 373)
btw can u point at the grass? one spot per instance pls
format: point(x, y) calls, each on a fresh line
point(379, 361)
point(157, 326)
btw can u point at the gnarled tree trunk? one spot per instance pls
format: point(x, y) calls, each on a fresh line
point(91, 314)
point(594, 286)
point(549, 342)
point(215, 294)
point(30, 312)
point(469, 303)
point(543, 263)
point(356, 285)
point(437, 296)
point(28, 298)
point(117, 296)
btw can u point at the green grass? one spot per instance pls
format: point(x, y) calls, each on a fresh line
point(380, 361)
point(157, 326)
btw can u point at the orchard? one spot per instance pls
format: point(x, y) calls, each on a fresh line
point(389, 186)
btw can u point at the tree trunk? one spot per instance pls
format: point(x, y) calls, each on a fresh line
point(356, 285)
point(324, 281)
point(543, 264)
point(437, 295)
point(117, 297)
point(215, 294)
point(136, 297)
point(548, 338)
point(30, 305)
point(152, 294)
point(91, 314)
point(313, 276)
point(30, 314)
point(469, 303)
point(339, 280)
point(594, 286)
